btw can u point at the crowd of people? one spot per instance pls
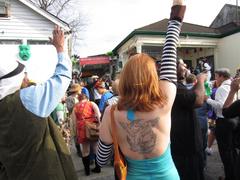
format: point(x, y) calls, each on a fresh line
point(167, 117)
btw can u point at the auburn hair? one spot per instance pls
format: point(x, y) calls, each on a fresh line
point(139, 88)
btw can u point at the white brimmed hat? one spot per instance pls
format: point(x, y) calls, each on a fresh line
point(9, 65)
point(11, 73)
point(10, 68)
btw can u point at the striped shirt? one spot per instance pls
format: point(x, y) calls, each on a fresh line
point(168, 68)
point(103, 153)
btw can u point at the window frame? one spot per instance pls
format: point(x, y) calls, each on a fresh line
point(5, 4)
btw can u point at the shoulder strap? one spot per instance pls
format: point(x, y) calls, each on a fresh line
point(113, 125)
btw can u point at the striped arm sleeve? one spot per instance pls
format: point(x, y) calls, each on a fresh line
point(104, 152)
point(168, 68)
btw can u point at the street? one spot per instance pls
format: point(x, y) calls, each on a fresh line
point(106, 173)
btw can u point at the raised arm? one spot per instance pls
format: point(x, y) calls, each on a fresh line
point(104, 149)
point(43, 98)
point(169, 61)
point(168, 74)
point(220, 98)
point(199, 89)
point(234, 89)
point(231, 107)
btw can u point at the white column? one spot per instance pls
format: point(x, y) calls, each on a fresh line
point(216, 60)
point(24, 41)
point(139, 47)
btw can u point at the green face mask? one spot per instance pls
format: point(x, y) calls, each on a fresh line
point(24, 52)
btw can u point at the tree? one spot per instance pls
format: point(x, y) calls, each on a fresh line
point(64, 9)
point(110, 54)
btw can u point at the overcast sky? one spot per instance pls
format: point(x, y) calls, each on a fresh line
point(110, 21)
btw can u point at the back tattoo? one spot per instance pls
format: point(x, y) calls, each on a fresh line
point(140, 135)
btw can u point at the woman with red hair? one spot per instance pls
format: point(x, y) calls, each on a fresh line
point(143, 113)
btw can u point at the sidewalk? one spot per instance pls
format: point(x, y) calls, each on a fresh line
point(106, 173)
point(214, 167)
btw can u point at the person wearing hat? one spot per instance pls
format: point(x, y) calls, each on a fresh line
point(31, 147)
point(72, 98)
point(101, 88)
point(75, 88)
point(86, 92)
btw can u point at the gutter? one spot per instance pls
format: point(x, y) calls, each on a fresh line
point(190, 34)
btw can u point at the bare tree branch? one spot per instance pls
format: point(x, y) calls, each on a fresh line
point(60, 8)
point(63, 5)
point(51, 2)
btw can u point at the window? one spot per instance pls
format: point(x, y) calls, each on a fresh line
point(4, 8)
point(153, 51)
point(38, 42)
point(120, 64)
point(11, 41)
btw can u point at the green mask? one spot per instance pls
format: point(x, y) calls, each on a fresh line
point(24, 52)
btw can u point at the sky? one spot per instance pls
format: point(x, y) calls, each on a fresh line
point(108, 22)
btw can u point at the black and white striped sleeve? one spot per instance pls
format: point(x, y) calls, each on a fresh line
point(104, 152)
point(168, 67)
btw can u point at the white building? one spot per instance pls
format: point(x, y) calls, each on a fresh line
point(219, 43)
point(21, 22)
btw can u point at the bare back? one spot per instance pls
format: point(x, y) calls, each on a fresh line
point(145, 137)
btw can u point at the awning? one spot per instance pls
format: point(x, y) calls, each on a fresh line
point(94, 60)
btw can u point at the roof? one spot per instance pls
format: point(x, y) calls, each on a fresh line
point(230, 27)
point(94, 60)
point(188, 29)
point(46, 14)
point(227, 13)
point(161, 26)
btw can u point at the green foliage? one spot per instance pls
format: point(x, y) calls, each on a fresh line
point(110, 53)
point(75, 60)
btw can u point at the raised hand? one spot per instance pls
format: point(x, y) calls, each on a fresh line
point(58, 39)
point(235, 85)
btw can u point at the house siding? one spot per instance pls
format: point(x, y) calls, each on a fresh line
point(24, 23)
point(228, 53)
